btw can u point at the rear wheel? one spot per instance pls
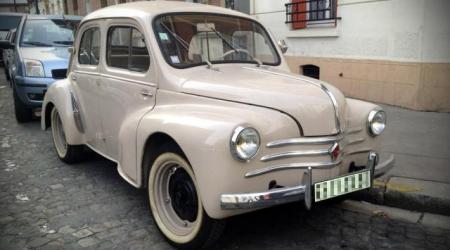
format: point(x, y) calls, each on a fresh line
point(176, 205)
point(22, 112)
point(66, 152)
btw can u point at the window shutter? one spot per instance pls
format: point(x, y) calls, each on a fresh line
point(296, 18)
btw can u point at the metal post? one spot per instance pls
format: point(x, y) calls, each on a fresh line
point(15, 6)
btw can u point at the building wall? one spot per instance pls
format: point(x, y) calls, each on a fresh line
point(392, 51)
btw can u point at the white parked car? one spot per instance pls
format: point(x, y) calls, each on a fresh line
point(195, 103)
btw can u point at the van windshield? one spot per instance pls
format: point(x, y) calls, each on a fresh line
point(188, 40)
point(48, 33)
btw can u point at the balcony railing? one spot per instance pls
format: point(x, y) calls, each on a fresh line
point(312, 12)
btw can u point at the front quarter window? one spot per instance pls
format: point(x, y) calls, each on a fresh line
point(89, 52)
point(188, 40)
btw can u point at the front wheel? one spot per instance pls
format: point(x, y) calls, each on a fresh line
point(176, 205)
point(66, 152)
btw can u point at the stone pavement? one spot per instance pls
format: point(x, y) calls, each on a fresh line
point(420, 179)
point(46, 204)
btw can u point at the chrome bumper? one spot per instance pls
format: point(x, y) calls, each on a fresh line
point(303, 192)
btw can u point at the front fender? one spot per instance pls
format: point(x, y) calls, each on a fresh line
point(357, 135)
point(59, 96)
point(202, 127)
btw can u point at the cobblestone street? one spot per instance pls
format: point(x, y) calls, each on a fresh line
point(46, 204)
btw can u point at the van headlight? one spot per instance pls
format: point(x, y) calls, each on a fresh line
point(34, 68)
point(244, 143)
point(376, 122)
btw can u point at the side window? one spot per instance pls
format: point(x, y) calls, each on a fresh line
point(126, 49)
point(118, 47)
point(89, 51)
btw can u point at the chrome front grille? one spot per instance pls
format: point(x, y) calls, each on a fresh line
point(313, 149)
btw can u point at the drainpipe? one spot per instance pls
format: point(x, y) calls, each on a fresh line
point(37, 7)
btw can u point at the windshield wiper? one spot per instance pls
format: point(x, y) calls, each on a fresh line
point(36, 43)
point(64, 42)
point(183, 43)
point(236, 50)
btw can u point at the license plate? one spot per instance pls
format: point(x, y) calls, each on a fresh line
point(342, 185)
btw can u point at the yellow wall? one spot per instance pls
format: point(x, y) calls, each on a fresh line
point(418, 86)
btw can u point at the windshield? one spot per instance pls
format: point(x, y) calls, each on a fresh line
point(48, 33)
point(188, 40)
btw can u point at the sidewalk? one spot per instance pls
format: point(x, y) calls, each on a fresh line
point(420, 179)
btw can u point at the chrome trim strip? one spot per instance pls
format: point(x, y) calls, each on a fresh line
point(76, 114)
point(116, 78)
point(305, 140)
point(303, 165)
point(297, 193)
point(291, 154)
point(320, 85)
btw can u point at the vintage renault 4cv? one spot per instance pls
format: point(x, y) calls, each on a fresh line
point(196, 104)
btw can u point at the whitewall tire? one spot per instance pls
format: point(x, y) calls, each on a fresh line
point(176, 205)
point(66, 152)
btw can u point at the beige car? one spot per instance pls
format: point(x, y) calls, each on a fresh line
point(196, 104)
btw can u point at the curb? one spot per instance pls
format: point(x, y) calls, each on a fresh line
point(410, 194)
point(425, 219)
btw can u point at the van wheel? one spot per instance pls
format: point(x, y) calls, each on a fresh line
point(66, 152)
point(22, 112)
point(176, 205)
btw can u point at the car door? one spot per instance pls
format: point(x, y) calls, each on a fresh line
point(85, 79)
point(128, 86)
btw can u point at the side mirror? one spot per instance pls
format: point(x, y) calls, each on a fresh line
point(283, 46)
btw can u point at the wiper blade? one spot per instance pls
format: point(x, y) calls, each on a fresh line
point(37, 43)
point(64, 42)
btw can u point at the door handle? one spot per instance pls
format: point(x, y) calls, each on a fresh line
point(73, 77)
point(145, 93)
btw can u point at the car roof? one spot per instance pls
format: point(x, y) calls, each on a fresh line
point(145, 9)
point(45, 17)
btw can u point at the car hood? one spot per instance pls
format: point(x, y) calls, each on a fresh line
point(304, 99)
point(51, 57)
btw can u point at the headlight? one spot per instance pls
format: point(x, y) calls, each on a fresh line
point(34, 68)
point(376, 122)
point(244, 143)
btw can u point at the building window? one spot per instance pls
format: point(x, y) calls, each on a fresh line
point(302, 13)
point(229, 4)
point(103, 3)
point(122, 1)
